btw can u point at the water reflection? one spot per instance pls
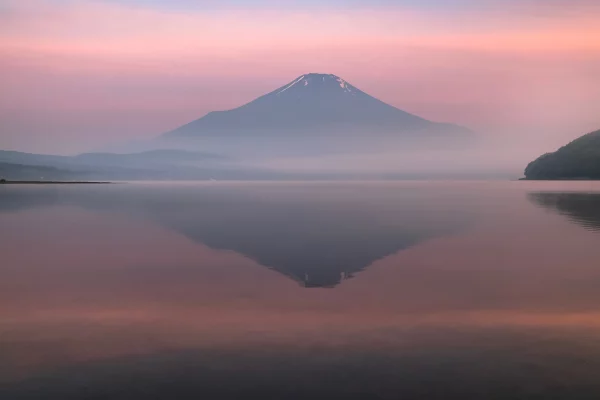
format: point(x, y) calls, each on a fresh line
point(113, 293)
point(318, 236)
point(581, 208)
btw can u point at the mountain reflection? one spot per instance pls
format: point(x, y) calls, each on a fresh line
point(581, 208)
point(317, 235)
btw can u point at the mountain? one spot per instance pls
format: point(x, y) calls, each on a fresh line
point(580, 159)
point(312, 104)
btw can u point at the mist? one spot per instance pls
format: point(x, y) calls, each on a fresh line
point(320, 156)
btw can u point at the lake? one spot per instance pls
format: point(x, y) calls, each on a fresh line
point(381, 290)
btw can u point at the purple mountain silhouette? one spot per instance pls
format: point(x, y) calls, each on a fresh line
point(314, 103)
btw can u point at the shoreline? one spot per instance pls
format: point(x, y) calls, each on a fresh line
point(53, 183)
point(561, 180)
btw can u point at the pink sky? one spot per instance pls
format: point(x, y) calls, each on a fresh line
point(78, 75)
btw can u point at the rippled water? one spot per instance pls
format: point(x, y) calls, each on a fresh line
point(411, 290)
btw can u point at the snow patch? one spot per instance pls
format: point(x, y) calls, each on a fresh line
point(344, 85)
point(290, 85)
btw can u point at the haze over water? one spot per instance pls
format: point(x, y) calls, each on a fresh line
point(408, 290)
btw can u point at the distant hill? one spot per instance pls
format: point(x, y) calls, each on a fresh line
point(167, 156)
point(178, 165)
point(313, 105)
point(580, 159)
point(149, 165)
point(153, 157)
point(155, 164)
point(33, 172)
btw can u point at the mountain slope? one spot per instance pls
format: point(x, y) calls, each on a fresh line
point(312, 103)
point(580, 159)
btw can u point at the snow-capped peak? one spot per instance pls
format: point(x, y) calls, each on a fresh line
point(318, 81)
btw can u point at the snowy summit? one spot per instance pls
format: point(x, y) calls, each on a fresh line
point(319, 82)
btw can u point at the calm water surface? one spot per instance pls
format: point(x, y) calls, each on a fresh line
point(407, 290)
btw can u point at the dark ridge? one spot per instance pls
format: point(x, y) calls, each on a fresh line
point(578, 160)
